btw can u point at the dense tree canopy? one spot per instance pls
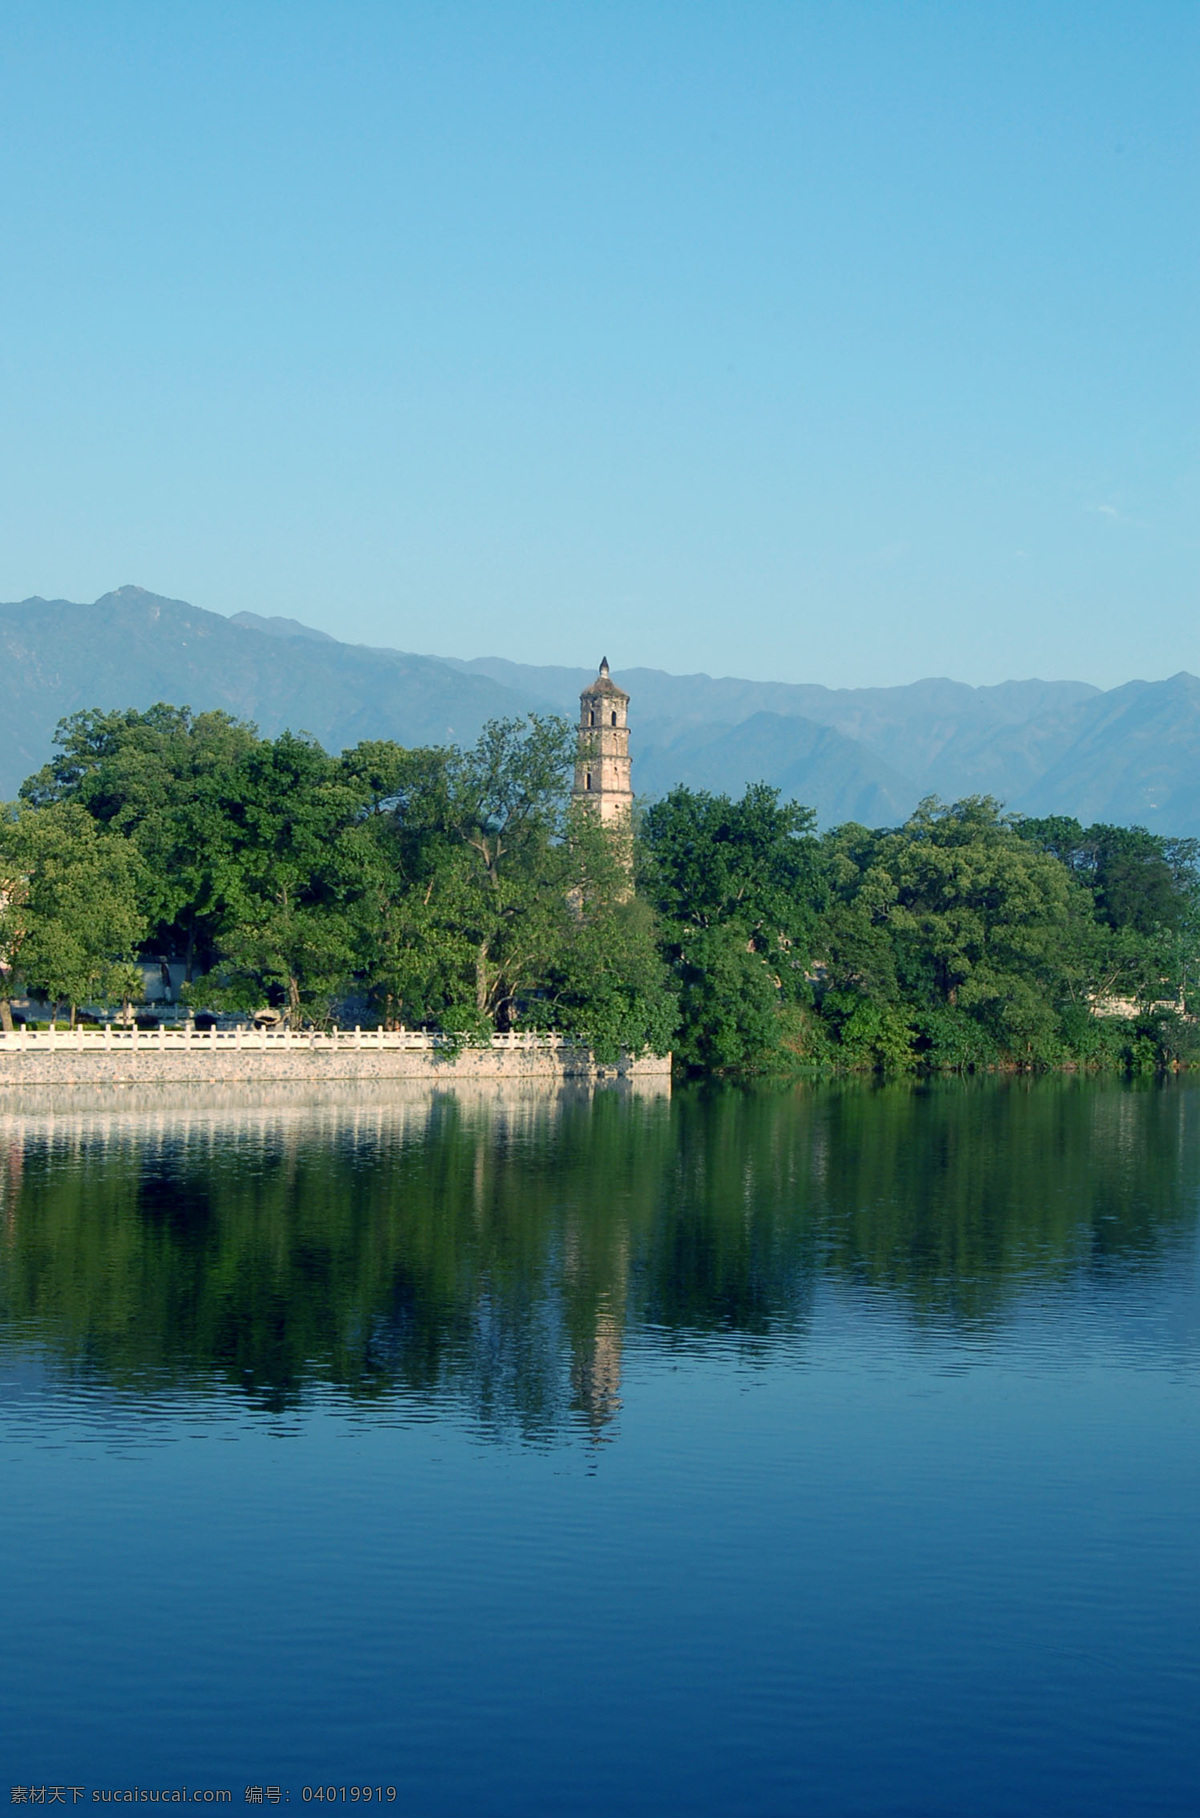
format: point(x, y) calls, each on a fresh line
point(70, 907)
point(439, 887)
point(160, 778)
point(950, 934)
point(967, 937)
point(737, 886)
point(464, 890)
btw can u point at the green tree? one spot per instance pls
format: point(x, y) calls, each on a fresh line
point(161, 777)
point(496, 903)
point(956, 924)
point(475, 917)
point(736, 887)
point(606, 981)
point(1146, 894)
point(289, 866)
point(410, 959)
point(508, 800)
point(70, 914)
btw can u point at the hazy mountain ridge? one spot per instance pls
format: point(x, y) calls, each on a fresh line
point(814, 764)
point(1135, 758)
point(277, 627)
point(934, 736)
point(1129, 754)
point(132, 648)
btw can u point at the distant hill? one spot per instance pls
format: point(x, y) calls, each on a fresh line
point(930, 737)
point(869, 754)
point(910, 725)
point(132, 648)
point(814, 764)
point(277, 627)
point(1130, 756)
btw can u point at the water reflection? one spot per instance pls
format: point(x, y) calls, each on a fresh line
point(505, 1249)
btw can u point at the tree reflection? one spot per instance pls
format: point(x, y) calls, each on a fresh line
point(505, 1251)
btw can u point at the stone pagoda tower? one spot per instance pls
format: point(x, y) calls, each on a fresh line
point(602, 767)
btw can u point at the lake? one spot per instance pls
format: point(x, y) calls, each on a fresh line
point(812, 1450)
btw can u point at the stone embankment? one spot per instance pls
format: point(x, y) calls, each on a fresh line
point(129, 1057)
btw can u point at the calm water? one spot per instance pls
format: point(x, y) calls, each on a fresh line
point(788, 1452)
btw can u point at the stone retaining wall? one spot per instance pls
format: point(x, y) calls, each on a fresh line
point(92, 1065)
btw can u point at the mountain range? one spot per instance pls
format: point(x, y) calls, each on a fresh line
point(1130, 754)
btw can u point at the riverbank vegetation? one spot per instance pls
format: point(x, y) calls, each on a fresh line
point(464, 890)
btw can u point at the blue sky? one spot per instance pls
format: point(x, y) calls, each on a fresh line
point(843, 342)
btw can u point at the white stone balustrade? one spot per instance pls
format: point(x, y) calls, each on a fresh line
point(111, 1036)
